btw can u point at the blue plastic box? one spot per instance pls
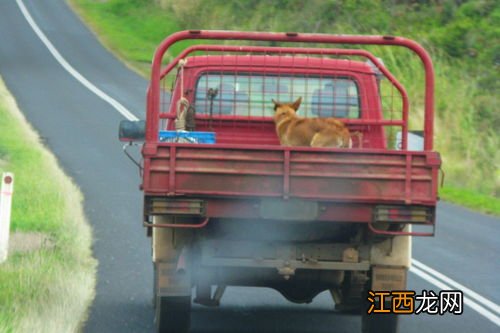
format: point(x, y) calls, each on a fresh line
point(187, 137)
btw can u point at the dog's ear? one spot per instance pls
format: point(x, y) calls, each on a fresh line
point(276, 104)
point(296, 104)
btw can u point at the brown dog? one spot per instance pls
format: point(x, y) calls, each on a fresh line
point(309, 132)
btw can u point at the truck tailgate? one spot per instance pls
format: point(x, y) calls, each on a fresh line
point(359, 175)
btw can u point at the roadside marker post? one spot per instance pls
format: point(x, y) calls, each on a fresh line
point(6, 190)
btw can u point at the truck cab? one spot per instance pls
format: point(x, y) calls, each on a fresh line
point(226, 205)
point(246, 84)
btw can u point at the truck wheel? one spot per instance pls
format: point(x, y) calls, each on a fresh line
point(173, 314)
point(380, 323)
point(352, 292)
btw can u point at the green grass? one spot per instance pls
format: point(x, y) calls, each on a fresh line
point(131, 29)
point(48, 288)
point(467, 143)
point(471, 199)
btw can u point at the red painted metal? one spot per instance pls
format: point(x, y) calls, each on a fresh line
point(171, 179)
point(248, 164)
point(154, 93)
point(249, 209)
point(252, 130)
point(363, 175)
point(286, 175)
point(305, 51)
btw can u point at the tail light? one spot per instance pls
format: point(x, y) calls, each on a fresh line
point(390, 220)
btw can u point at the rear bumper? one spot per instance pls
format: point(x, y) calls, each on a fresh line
point(380, 219)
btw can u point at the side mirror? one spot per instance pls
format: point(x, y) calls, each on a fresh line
point(132, 130)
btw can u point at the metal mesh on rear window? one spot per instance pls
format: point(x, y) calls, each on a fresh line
point(230, 90)
point(245, 94)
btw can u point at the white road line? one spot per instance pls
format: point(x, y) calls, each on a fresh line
point(443, 286)
point(472, 294)
point(114, 103)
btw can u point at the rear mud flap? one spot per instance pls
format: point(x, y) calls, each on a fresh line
point(395, 251)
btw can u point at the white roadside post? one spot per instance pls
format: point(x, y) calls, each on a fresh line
point(6, 190)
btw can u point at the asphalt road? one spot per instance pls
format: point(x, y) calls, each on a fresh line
point(81, 129)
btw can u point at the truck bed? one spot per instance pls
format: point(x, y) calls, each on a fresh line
point(330, 175)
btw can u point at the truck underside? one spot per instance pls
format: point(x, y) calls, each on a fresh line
point(298, 259)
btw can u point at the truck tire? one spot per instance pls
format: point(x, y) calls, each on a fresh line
point(380, 323)
point(352, 293)
point(173, 314)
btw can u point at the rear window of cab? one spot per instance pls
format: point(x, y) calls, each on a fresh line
point(251, 94)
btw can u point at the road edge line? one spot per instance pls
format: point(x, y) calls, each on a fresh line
point(70, 69)
point(472, 294)
point(473, 305)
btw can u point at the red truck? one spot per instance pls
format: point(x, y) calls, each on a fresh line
point(226, 205)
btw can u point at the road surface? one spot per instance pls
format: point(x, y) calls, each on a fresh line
point(61, 81)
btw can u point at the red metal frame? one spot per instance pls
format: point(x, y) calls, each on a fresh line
point(235, 180)
point(349, 181)
point(167, 153)
point(234, 128)
point(153, 108)
point(306, 51)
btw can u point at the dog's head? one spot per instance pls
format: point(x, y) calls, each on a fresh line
point(285, 110)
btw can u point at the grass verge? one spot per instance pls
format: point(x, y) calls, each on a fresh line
point(131, 29)
point(47, 282)
point(470, 199)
